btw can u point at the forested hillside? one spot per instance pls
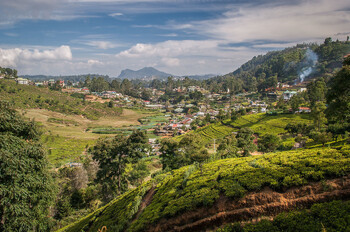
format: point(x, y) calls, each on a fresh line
point(291, 65)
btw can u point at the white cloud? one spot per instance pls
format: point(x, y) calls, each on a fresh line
point(116, 14)
point(101, 44)
point(171, 62)
point(185, 57)
point(94, 62)
point(300, 21)
point(16, 56)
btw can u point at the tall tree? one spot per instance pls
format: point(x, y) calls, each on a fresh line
point(177, 154)
point(316, 91)
point(245, 141)
point(338, 96)
point(228, 147)
point(26, 186)
point(113, 155)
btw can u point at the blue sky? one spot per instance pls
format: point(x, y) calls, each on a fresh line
point(182, 37)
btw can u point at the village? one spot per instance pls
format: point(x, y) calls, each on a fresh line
point(187, 114)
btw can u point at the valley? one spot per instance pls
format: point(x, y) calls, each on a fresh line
point(253, 150)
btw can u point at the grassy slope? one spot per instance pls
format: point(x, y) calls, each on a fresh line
point(67, 142)
point(66, 119)
point(190, 187)
point(27, 96)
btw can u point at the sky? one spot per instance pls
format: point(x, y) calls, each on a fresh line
point(181, 37)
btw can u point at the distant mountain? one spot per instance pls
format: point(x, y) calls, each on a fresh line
point(201, 77)
point(144, 73)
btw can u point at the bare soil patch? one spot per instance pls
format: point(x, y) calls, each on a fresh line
point(254, 205)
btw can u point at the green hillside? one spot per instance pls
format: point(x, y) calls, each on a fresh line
point(28, 96)
point(183, 191)
point(260, 123)
point(287, 65)
point(330, 216)
point(264, 123)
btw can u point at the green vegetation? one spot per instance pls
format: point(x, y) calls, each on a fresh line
point(212, 131)
point(27, 96)
point(63, 121)
point(331, 216)
point(62, 150)
point(261, 124)
point(272, 124)
point(264, 71)
point(26, 186)
point(338, 98)
point(113, 155)
point(193, 186)
point(185, 152)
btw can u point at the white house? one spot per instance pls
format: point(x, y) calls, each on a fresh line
point(287, 95)
point(22, 81)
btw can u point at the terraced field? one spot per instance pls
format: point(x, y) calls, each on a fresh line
point(197, 197)
point(259, 123)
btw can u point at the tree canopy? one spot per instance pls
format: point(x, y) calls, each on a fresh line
point(26, 186)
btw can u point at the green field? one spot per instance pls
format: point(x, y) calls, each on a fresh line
point(66, 136)
point(62, 150)
point(194, 186)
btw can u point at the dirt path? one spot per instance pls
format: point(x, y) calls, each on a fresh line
point(254, 205)
point(145, 201)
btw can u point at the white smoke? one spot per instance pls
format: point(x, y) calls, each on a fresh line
point(310, 63)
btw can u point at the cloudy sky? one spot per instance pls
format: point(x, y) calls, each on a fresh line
point(182, 37)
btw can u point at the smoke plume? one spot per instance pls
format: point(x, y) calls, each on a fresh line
point(309, 64)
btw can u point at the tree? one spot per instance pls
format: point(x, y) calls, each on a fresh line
point(99, 85)
point(245, 141)
point(138, 173)
point(26, 185)
point(177, 154)
point(316, 91)
point(269, 143)
point(170, 156)
point(228, 147)
point(338, 96)
point(295, 102)
point(321, 137)
point(318, 115)
point(113, 155)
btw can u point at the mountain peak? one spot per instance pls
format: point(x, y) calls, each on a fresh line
point(144, 73)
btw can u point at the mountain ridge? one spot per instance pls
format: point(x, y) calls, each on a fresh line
point(144, 73)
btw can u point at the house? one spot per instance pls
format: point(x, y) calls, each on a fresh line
point(287, 95)
point(304, 110)
point(22, 81)
point(51, 81)
point(61, 83)
point(200, 114)
point(178, 110)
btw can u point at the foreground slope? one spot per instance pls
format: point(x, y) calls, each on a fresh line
point(196, 197)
